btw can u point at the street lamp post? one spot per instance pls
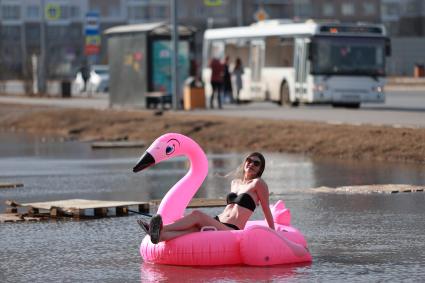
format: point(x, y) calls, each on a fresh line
point(175, 51)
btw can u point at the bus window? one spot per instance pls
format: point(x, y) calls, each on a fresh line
point(237, 49)
point(231, 50)
point(349, 56)
point(279, 52)
point(216, 50)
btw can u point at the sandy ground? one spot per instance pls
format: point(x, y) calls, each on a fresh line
point(222, 134)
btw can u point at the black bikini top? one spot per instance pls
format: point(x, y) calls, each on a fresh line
point(244, 200)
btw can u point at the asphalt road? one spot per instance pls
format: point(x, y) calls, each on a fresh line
point(401, 109)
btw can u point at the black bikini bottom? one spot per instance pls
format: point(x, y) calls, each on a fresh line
point(234, 227)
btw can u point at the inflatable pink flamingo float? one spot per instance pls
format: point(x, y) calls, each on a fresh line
point(256, 245)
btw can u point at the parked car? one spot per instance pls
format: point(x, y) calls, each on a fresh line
point(102, 72)
point(98, 81)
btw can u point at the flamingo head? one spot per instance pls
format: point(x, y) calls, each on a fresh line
point(163, 148)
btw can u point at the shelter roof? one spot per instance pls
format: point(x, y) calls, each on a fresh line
point(155, 28)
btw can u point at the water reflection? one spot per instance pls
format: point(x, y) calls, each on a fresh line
point(335, 173)
point(169, 273)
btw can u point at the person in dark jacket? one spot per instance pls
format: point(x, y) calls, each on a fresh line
point(216, 81)
point(85, 74)
point(227, 82)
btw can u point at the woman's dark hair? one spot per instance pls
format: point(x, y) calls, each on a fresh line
point(238, 63)
point(239, 171)
point(263, 162)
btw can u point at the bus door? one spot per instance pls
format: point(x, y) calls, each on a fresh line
point(301, 68)
point(256, 86)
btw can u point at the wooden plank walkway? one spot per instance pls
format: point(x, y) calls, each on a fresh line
point(10, 185)
point(369, 189)
point(79, 208)
point(117, 144)
point(83, 208)
point(14, 217)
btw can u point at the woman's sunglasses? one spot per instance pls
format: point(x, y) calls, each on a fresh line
point(255, 162)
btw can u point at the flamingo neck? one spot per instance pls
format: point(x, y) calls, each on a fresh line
point(174, 203)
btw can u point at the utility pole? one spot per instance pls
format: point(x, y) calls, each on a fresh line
point(24, 49)
point(175, 52)
point(42, 63)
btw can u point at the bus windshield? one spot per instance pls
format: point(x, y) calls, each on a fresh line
point(348, 56)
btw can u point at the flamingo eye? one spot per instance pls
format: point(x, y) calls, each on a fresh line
point(169, 149)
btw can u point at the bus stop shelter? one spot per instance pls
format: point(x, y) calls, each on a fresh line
point(139, 59)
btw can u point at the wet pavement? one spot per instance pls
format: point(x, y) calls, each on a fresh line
point(365, 238)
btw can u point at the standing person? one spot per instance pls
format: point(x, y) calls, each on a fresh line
point(237, 75)
point(85, 74)
point(246, 192)
point(216, 81)
point(227, 82)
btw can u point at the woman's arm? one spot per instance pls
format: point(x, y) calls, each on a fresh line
point(263, 196)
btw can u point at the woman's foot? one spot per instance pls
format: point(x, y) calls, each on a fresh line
point(144, 225)
point(155, 227)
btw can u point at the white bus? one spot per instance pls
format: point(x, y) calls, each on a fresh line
point(305, 62)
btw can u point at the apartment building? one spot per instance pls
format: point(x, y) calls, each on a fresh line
point(58, 26)
point(27, 27)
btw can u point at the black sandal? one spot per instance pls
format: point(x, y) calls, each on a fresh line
point(143, 225)
point(155, 227)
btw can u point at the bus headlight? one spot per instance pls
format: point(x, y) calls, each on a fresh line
point(320, 87)
point(378, 89)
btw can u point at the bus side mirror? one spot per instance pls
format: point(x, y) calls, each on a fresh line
point(387, 47)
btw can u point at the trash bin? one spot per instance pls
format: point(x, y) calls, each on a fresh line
point(66, 88)
point(419, 71)
point(193, 94)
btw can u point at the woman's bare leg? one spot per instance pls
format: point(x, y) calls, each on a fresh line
point(169, 235)
point(188, 224)
point(196, 219)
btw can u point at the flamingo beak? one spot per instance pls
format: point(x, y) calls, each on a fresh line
point(145, 161)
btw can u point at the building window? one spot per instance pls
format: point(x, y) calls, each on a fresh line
point(64, 12)
point(200, 11)
point(33, 12)
point(412, 9)
point(75, 32)
point(347, 9)
point(303, 9)
point(55, 32)
point(75, 12)
point(33, 33)
point(106, 9)
point(11, 12)
point(369, 9)
point(328, 9)
point(158, 12)
point(10, 33)
point(138, 13)
point(390, 11)
point(114, 11)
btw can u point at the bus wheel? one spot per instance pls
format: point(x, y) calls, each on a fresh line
point(284, 94)
point(353, 105)
point(346, 105)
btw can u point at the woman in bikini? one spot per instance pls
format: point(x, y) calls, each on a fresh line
point(246, 193)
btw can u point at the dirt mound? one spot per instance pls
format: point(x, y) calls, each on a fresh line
point(222, 134)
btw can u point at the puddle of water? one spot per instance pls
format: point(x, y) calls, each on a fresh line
point(351, 237)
